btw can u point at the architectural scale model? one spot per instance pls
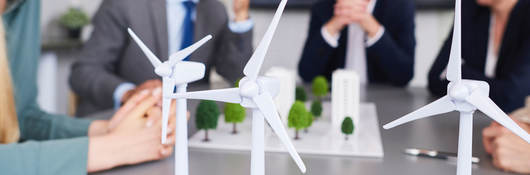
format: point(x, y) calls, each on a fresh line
point(176, 72)
point(345, 98)
point(465, 96)
point(286, 96)
point(256, 92)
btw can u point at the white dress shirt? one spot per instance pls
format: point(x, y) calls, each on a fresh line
point(356, 47)
point(492, 56)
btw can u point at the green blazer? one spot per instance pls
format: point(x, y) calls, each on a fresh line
point(50, 144)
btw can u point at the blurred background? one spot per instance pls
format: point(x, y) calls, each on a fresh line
point(61, 40)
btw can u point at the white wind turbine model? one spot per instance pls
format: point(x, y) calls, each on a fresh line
point(176, 72)
point(464, 96)
point(256, 92)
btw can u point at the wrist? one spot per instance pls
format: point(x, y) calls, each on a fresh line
point(371, 26)
point(98, 127)
point(333, 28)
point(241, 16)
point(103, 153)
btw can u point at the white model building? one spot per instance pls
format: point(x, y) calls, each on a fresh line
point(286, 96)
point(345, 97)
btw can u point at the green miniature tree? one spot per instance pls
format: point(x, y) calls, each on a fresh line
point(320, 87)
point(316, 109)
point(234, 113)
point(300, 94)
point(347, 127)
point(309, 121)
point(297, 117)
point(206, 117)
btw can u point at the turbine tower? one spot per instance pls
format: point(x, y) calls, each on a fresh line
point(176, 72)
point(465, 96)
point(256, 93)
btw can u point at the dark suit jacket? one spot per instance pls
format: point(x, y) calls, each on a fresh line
point(110, 57)
point(390, 60)
point(512, 82)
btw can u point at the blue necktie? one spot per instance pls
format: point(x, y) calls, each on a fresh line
point(188, 26)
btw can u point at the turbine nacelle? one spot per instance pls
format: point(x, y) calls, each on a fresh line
point(461, 90)
point(193, 70)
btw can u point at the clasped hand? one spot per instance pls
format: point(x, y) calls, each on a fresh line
point(352, 11)
point(133, 135)
point(509, 152)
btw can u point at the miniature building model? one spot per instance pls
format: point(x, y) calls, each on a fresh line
point(345, 97)
point(286, 97)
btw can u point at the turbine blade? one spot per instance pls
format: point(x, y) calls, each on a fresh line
point(454, 67)
point(268, 109)
point(150, 55)
point(253, 66)
point(166, 105)
point(440, 106)
point(488, 107)
point(167, 89)
point(230, 95)
point(180, 55)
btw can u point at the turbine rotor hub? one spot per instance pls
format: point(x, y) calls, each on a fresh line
point(459, 91)
point(248, 88)
point(163, 70)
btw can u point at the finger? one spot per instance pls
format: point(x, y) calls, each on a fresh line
point(154, 114)
point(127, 108)
point(490, 132)
point(188, 115)
point(141, 109)
point(166, 151)
point(170, 140)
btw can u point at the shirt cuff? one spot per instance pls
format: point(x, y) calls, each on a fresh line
point(370, 41)
point(120, 91)
point(241, 26)
point(333, 41)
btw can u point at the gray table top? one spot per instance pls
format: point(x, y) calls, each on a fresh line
point(439, 133)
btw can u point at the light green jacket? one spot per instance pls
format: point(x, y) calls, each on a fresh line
point(50, 144)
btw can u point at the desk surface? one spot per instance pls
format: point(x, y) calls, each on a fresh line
point(439, 133)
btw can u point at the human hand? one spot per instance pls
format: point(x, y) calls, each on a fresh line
point(133, 140)
point(509, 151)
point(147, 85)
point(241, 9)
point(356, 11)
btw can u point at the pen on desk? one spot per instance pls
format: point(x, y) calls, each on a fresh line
point(436, 154)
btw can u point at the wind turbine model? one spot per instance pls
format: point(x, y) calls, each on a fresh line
point(464, 96)
point(256, 92)
point(176, 72)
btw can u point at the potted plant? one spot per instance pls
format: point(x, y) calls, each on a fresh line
point(74, 20)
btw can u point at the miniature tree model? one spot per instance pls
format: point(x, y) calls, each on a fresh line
point(206, 117)
point(300, 94)
point(316, 109)
point(234, 113)
point(297, 117)
point(320, 87)
point(309, 121)
point(347, 127)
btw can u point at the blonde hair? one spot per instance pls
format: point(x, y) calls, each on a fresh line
point(9, 130)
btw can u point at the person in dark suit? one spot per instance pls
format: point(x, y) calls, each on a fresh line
point(495, 49)
point(373, 37)
point(111, 67)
